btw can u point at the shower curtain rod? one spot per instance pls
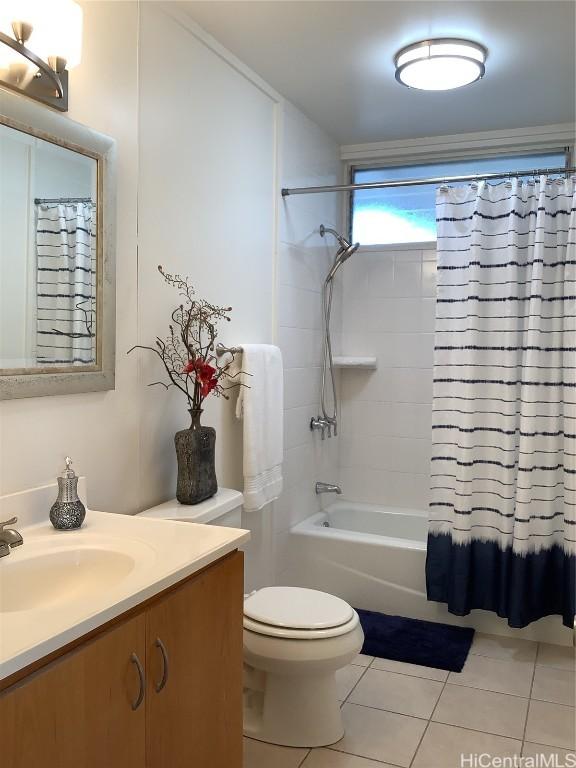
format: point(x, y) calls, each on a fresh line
point(417, 182)
point(39, 200)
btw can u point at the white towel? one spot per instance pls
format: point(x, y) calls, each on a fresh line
point(261, 406)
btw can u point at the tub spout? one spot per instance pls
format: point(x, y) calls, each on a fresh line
point(328, 488)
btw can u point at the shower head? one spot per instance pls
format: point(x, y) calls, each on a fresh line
point(342, 255)
point(348, 251)
point(344, 252)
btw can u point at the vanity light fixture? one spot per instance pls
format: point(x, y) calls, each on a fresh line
point(40, 41)
point(441, 64)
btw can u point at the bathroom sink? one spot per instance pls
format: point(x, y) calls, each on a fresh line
point(32, 579)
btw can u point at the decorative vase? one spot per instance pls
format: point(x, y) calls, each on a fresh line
point(196, 461)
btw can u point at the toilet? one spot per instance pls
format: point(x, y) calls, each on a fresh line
point(295, 640)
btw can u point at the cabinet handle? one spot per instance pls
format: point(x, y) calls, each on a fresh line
point(159, 644)
point(135, 660)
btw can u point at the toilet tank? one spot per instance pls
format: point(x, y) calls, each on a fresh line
point(224, 508)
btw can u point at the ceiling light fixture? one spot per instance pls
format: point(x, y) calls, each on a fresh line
point(39, 42)
point(440, 65)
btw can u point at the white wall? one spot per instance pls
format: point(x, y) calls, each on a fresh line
point(207, 210)
point(309, 157)
point(388, 311)
point(201, 141)
point(99, 430)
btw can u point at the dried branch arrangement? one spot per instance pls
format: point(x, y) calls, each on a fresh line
point(187, 353)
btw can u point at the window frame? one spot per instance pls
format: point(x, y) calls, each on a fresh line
point(376, 163)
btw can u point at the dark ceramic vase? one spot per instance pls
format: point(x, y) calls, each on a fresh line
point(196, 470)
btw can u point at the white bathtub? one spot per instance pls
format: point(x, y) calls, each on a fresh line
point(374, 557)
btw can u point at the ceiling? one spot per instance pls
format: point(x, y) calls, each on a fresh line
point(334, 60)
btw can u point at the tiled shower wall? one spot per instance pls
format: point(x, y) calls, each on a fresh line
point(310, 157)
point(388, 311)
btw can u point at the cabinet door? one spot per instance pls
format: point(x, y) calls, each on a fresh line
point(195, 720)
point(77, 712)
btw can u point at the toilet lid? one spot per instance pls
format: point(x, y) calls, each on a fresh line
point(297, 608)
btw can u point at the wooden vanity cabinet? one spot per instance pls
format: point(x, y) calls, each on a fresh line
point(77, 711)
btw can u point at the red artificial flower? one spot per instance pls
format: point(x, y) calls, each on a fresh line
point(204, 374)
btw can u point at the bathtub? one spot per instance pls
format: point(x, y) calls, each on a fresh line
point(374, 557)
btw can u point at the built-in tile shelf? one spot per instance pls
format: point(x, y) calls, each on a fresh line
point(348, 361)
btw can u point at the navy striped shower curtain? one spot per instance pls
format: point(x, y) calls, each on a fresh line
point(66, 283)
point(502, 533)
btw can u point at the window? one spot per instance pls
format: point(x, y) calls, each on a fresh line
point(407, 214)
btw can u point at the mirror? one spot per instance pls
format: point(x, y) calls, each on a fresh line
point(56, 291)
point(48, 254)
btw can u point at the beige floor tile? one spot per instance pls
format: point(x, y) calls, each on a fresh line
point(556, 685)
point(551, 724)
point(258, 754)
point(380, 735)
point(443, 746)
point(362, 660)
point(480, 710)
point(560, 656)
point(347, 678)
point(415, 670)
point(406, 695)
point(532, 750)
point(328, 758)
point(503, 648)
point(513, 677)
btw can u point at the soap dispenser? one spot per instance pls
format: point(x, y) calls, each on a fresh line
point(67, 512)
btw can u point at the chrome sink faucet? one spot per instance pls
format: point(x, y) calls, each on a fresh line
point(9, 537)
point(328, 488)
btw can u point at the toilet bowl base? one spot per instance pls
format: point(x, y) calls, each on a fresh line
point(295, 711)
point(290, 693)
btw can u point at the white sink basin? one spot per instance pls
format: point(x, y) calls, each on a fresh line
point(45, 580)
point(36, 576)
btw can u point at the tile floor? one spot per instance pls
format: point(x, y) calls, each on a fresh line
point(513, 697)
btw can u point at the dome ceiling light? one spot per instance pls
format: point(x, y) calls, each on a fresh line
point(440, 65)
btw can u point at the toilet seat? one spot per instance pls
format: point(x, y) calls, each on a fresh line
point(298, 613)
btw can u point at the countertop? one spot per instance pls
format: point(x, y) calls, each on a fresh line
point(152, 555)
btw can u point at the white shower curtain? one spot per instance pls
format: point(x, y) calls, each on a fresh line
point(502, 515)
point(66, 283)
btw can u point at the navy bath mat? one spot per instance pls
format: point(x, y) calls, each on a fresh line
point(414, 641)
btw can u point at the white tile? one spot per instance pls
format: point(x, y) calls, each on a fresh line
point(443, 746)
point(556, 685)
point(375, 486)
point(514, 677)
point(503, 648)
point(380, 735)
point(301, 387)
point(415, 696)
point(560, 656)
point(551, 724)
point(347, 678)
point(546, 754)
point(297, 430)
point(328, 758)
point(362, 660)
point(394, 454)
point(259, 754)
point(481, 710)
point(387, 384)
point(407, 276)
point(429, 278)
point(415, 670)
point(299, 308)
